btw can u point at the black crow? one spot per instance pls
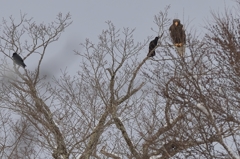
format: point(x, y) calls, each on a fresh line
point(18, 60)
point(152, 45)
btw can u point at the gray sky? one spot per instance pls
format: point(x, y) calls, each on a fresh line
point(89, 18)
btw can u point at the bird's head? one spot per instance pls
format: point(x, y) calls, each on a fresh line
point(176, 22)
point(14, 54)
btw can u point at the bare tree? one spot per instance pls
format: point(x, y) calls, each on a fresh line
point(110, 71)
point(68, 118)
point(25, 92)
point(223, 42)
point(121, 103)
point(197, 97)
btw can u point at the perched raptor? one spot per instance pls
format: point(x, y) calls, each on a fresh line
point(18, 60)
point(177, 33)
point(178, 36)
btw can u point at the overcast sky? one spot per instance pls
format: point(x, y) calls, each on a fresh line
point(89, 18)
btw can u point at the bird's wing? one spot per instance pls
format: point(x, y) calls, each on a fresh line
point(152, 45)
point(17, 57)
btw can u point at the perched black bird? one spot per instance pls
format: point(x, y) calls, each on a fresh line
point(152, 45)
point(18, 60)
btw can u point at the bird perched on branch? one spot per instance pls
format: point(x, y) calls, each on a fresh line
point(152, 46)
point(178, 36)
point(18, 60)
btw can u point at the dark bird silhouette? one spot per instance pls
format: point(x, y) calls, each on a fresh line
point(18, 60)
point(178, 36)
point(177, 33)
point(152, 45)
